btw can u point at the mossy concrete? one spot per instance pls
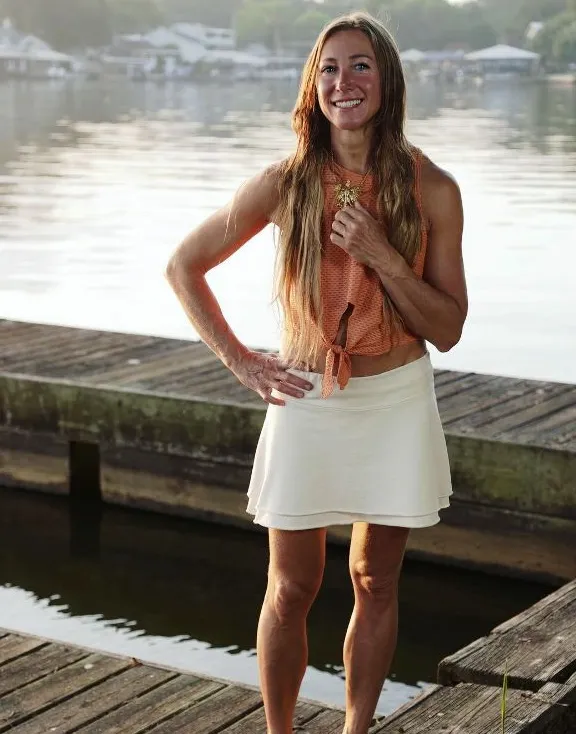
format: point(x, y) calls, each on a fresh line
point(513, 476)
point(114, 417)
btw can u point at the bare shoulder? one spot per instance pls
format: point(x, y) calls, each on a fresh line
point(440, 190)
point(260, 192)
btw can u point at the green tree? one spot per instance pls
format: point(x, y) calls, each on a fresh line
point(564, 48)
point(134, 16)
point(270, 22)
point(308, 25)
point(61, 23)
point(555, 40)
point(219, 13)
point(435, 24)
point(510, 18)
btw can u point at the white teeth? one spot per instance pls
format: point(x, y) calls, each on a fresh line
point(350, 103)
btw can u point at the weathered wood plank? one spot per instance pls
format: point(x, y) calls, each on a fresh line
point(535, 647)
point(255, 723)
point(37, 664)
point(102, 372)
point(189, 379)
point(154, 707)
point(13, 646)
point(23, 336)
point(561, 424)
point(52, 350)
point(474, 709)
point(441, 710)
point(487, 395)
point(176, 360)
point(214, 713)
point(92, 358)
point(86, 707)
point(463, 387)
point(328, 722)
point(35, 697)
point(214, 388)
point(484, 420)
point(531, 415)
point(19, 346)
point(450, 376)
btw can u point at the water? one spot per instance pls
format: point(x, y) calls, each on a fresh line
point(187, 595)
point(100, 180)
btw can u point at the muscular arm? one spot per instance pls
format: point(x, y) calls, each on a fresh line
point(435, 307)
point(211, 244)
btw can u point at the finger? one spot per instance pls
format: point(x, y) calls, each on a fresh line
point(298, 381)
point(274, 401)
point(267, 397)
point(359, 208)
point(339, 227)
point(283, 386)
point(338, 240)
point(344, 215)
point(284, 375)
point(286, 389)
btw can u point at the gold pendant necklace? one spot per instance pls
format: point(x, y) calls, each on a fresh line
point(347, 194)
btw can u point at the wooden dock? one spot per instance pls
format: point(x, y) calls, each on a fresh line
point(160, 424)
point(52, 687)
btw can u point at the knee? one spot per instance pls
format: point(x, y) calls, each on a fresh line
point(292, 598)
point(375, 587)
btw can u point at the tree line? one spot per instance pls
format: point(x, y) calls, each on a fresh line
point(293, 24)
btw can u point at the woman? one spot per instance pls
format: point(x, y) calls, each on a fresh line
point(369, 270)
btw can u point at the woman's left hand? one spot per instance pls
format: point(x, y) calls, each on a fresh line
point(357, 232)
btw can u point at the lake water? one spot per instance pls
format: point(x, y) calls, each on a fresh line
point(100, 180)
point(187, 595)
point(98, 183)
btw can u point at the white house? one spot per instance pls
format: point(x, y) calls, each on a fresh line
point(27, 55)
point(503, 59)
point(213, 39)
point(412, 56)
point(191, 50)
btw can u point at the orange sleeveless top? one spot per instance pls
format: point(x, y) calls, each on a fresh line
point(345, 281)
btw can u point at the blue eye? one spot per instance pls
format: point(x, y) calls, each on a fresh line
point(362, 64)
point(328, 69)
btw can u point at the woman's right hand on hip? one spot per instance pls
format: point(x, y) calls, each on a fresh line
point(263, 373)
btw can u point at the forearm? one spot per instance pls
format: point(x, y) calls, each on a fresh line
point(426, 311)
point(205, 314)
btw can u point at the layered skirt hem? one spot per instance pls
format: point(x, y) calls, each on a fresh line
point(374, 452)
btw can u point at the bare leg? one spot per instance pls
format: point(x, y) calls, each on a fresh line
point(376, 555)
point(294, 577)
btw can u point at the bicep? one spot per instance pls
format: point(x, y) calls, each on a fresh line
point(225, 231)
point(444, 265)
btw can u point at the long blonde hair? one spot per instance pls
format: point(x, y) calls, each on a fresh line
point(301, 196)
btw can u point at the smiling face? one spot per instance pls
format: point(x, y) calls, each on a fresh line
point(348, 80)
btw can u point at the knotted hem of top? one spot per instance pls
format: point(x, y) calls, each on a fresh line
point(343, 373)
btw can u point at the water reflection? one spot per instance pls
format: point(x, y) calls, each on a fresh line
point(187, 595)
point(100, 180)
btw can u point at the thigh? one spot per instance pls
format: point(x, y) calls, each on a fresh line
point(298, 555)
point(377, 552)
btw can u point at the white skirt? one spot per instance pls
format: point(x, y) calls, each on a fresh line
point(374, 452)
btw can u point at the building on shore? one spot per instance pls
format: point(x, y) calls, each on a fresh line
point(212, 39)
point(457, 65)
point(157, 55)
point(431, 64)
point(23, 55)
point(191, 50)
point(503, 60)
